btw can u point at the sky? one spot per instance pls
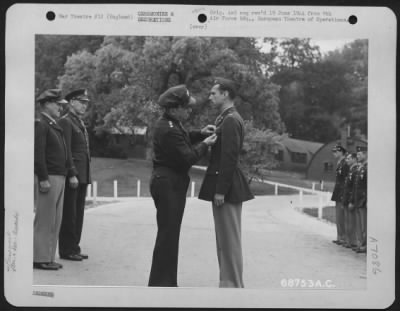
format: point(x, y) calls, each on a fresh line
point(330, 45)
point(324, 45)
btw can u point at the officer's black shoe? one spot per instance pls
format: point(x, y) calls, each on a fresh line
point(84, 256)
point(56, 264)
point(361, 250)
point(44, 266)
point(73, 257)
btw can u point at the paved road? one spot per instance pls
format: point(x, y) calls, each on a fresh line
point(279, 243)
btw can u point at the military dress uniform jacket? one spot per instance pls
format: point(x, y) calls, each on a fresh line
point(223, 175)
point(360, 187)
point(78, 147)
point(51, 156)
point(348, 192)
point(342, 170)
point(173, 146)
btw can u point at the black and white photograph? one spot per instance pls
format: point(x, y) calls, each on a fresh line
point(222, 164)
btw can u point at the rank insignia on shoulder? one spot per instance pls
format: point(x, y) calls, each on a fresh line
point(170, 124)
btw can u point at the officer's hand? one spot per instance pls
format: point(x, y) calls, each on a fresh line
point(210, 140)
point(351, 206)
point(73, 182)
point(219, 199)
point(44, 186)
point(208, 130)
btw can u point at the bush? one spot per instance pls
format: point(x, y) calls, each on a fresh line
point(115, 151)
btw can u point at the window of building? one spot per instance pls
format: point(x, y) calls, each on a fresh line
point(328, 166)
point(298, 157)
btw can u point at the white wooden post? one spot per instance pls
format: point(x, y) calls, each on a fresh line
point(89, 191)
point(322, 185)
point(313, 186)
point(192, 191)
point(94, 191)
point(138, 188)
point(276, 189)
point(301, 195)
point(328, 197)
point(115, 189)
point(320, 206)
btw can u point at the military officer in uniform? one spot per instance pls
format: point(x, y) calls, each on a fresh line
point(341, 172)
point(51, 166)
point(174, 154)
point(348, 202)
point(225, 185)
point(360, 198)
point(77, 141)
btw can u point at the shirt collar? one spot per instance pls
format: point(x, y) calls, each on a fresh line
point(226, 111)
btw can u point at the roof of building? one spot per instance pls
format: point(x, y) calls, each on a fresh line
point(126, 130)
point(300, 146)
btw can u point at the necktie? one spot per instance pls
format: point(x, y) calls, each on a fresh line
point(86, 136)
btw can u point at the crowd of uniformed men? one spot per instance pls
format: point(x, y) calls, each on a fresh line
point(350, 195)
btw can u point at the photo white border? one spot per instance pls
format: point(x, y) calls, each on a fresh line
point(24, 21)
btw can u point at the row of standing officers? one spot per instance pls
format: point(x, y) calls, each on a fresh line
point(62, 173)
point(350, 195)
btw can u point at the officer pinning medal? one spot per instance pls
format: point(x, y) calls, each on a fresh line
point(175, 150)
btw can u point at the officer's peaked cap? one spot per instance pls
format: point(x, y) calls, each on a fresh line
point(51, 95)
point(176, 96)
point(80, 94)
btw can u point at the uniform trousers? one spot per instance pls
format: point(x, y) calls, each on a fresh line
point(340, 227)
point(72, 220)
point(168, 190)
point(363, 225)
point(227, 220)
point(47, 222)
point(351, 226)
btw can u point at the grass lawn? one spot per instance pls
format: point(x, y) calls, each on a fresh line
point(128, 172)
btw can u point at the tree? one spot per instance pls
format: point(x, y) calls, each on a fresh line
point(355, 57)
point(130, 73)
point(51, 52)
point(289, 53)
point(126, 75)
point(258, 156)
point(318, 99)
